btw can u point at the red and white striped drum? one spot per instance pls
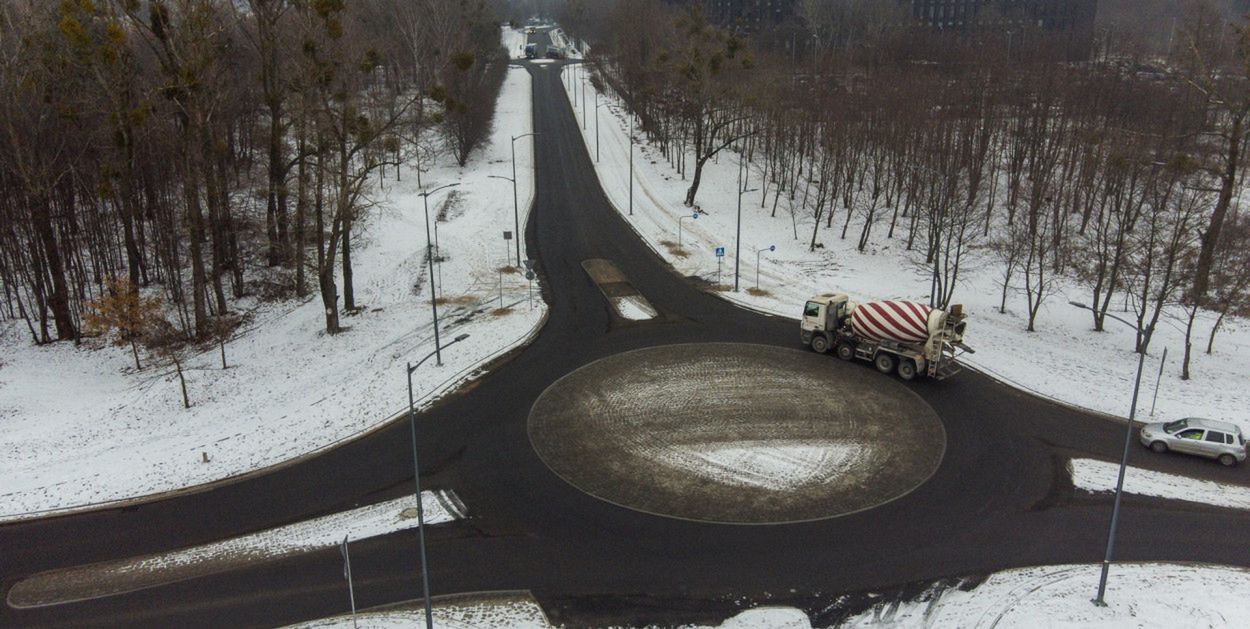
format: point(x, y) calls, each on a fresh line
point(900, 321)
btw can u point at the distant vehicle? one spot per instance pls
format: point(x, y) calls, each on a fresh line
point(555, 52)
point(902, 337)
point(1217, 440)
point(531, 51)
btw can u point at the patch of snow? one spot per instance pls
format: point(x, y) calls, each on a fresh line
point(777, 465)
point(513, 41)
point(1150, 595)
point(323, 532)
point(1100, 476)
point(768, 618)
point(80, 428)
point(1064, 359)
point(519, 613)
point(634, 307)
point(1138, 595)
point(127, 575)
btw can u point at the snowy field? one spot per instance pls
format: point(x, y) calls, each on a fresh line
point(513, 611)
point(79, 426)
point(1064, 359)
point(127, 575)
point(1162, 596)
point(1100, 476)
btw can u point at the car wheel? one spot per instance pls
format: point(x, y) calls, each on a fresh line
point(820, 344)
point(846, 352)
point(884, 362)
point(1159, 446)
point(1228, 460)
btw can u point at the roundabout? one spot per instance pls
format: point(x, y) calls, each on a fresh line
point(735, 434)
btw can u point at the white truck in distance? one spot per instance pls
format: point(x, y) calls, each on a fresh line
point(901, 337)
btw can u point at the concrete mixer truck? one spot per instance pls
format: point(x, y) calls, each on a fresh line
point(902, 337)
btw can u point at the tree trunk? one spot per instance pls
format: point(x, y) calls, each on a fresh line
point(1211, 237)
point(58, 301)
point(349, 292)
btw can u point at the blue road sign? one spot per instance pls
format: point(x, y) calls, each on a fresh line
point(720, 252)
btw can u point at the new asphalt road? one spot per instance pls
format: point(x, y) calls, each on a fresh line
point(999, 497)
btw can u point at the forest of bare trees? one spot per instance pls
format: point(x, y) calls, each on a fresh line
point(206, 150)
point(1121, 174)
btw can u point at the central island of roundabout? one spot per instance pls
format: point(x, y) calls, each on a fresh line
point(736, 434)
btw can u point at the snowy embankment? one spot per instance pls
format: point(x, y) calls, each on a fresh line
point(128, 575)
point(80, 427)
point(1138, 595)
point(1100, 476)
point(1063, 360)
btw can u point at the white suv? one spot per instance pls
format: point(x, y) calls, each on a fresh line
point(1204, 437)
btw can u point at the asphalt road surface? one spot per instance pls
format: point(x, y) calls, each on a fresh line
point(998, 499)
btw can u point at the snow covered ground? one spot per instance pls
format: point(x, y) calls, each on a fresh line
point(1138, 595)
point(515, 611)
point(81, 427)
point(1064, 359)
point(1100, 476)
point(127, 575)
point(1157, 595)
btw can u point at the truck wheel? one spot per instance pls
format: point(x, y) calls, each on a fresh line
point(884, 362)
point(820, 344)
point(846, 352)
point(1159, 447)
point(1228, 460)
point(907, 369)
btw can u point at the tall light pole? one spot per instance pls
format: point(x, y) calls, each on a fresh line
point(1119, 483)
point(597, 104)
point(583, 75)
point(429, 260)
point(416, 476)
point(631, 161)
point(516, 210)
point(757, 263)
point(738, 237)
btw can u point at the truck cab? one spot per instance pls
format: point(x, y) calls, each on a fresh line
point(531, 50)
point(822, 315)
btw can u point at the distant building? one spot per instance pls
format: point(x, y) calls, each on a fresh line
point(1070, 23)
point(1060, 15)
point(1075, 18)
point(750, 15)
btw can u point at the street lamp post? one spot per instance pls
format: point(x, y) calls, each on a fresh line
point(516, 210)
point(631, 162)
point(1119, 483)
point(416, 476)
point(583, 75)
point(757, 263)
point(429, 260)
point(597, 103)
point(694, 216)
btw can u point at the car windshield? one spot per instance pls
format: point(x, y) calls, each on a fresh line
point(1175, 426)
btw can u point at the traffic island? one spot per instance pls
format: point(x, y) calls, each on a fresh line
point(735, 433)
